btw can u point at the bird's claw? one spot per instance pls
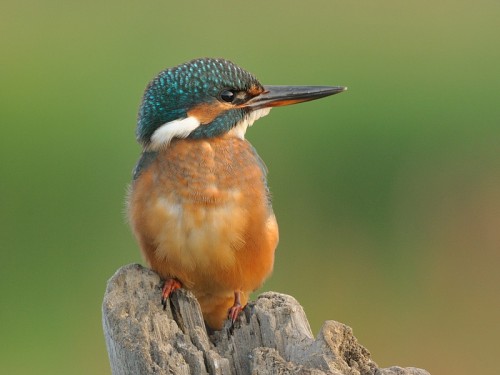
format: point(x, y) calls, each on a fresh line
point(234, 312)
point(236, 309)
point(169, 286)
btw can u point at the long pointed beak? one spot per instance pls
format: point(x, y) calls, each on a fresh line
point(276, 96)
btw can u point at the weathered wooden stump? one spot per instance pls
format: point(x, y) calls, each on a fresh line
point(272, 336)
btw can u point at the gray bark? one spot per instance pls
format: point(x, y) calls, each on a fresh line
point(272, 336)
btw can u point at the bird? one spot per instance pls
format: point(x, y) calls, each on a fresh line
point(199, 204)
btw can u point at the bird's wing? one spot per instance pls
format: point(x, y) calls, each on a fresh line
point(147, 157)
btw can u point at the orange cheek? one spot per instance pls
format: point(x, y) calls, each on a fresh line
point(207, 112)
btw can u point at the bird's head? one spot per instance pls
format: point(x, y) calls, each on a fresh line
point(208, 97)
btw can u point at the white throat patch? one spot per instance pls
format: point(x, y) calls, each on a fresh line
point(241, 127)
point(173, 129)
point(182, 128)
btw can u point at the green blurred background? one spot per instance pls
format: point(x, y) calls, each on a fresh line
point(387, 196)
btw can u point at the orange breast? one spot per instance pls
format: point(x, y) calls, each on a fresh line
point(201, 214)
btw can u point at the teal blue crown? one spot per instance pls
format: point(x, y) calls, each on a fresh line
point(171, 94)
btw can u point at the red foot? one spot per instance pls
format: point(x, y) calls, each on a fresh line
point(235, 310)
point(169, 286)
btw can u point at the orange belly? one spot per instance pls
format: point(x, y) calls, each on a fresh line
point(201, 214)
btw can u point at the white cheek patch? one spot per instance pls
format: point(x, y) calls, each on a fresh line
point(173, 129)
point(241, 127)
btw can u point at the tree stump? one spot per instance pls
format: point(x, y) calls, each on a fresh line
point(272, 336)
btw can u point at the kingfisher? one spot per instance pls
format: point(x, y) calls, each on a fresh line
point(199, 204)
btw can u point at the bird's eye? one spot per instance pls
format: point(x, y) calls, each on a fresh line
point(227, 96)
